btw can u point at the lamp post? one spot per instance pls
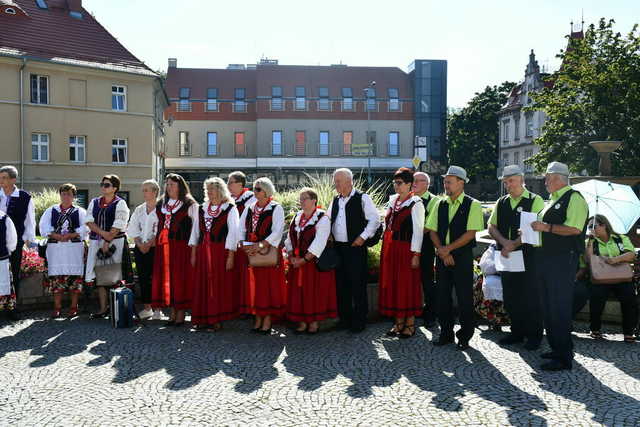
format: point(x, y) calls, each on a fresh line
point(371, 85)
point(604, 150)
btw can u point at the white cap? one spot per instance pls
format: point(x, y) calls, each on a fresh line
point(457, 171)
point(511, 170)
point(557, 167)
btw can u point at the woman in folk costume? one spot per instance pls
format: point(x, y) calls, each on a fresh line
point(311, 293)
point(214, 299)
point(8, 242)
point(107, 218)
point(400, 280)
point(64, 226)
point(174, 224)
point(261, 227)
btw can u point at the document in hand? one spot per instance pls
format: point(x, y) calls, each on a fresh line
point(528, 235)
point(514, 263)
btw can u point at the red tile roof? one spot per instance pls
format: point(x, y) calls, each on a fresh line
point(52, 34)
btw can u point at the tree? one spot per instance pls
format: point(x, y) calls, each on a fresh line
point(473, 132)
point(595, 95)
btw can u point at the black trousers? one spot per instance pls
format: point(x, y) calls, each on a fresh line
point(429, 290)
point(626, 294)
point(144, 268)
point(15, 259)
point(556, 274)
point(351, 284)
point(460, 278)
point(522, 301)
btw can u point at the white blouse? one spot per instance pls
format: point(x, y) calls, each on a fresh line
point(277, 223)
point(138, 220)
point(417, 218)
point(10, 235)
point(323, 230)
point(151, 224)
point(46, 228)
point(233, 224)
point(121, 216)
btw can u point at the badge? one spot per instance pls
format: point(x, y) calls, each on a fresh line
point(519, 209)
point(620, 247)
point(557, 206)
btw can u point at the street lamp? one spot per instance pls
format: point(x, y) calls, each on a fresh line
point(372, 84)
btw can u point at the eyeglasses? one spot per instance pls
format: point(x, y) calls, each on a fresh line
point(398, 182)
point(302, 199)
point(105, 184)
point(257, 190)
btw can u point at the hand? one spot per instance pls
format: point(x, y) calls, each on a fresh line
point(444, 251)
point(448, 261)
point(229, 265)
point(358, 242)
point(415, 261)
point(540, 226)
point(610, 260)
point(250, 250)
point(105, 247)
point(507, 247)
point(193, 257)
point(297, 262)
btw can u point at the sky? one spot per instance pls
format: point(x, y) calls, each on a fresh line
point(485, 42)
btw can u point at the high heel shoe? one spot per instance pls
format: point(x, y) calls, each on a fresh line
point(100, 315)
point(395, 331)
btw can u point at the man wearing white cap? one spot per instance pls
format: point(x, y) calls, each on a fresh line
point(520, 291)
point(452, 226)
point(562, 226)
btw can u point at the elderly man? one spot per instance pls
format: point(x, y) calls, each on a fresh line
point(452, 225)
point(421, 182)
point(354, 219)
point(562, 227)
point(18, 206)
point(520, 292)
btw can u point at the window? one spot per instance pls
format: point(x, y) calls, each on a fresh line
point(394, 101)
point(82, 198)
point(276, 99)
point(516, 128)
point(394, 147)
point(324, 143)
point(184, 104)
point(212, 144)
point(77, 148)
point(505, 131)
point(505, 159)
point(323, 99)
point(529, 129)
point(300, 143)
point(40, 147)
point(347, 139)
point(42, 4)
point(527, 155)
point(239, 103)
point(10, 11)
point(119, 150)
point(118, 98)
point(39, 89)
point(212, 99)
point(516, 158)
point(371, 99)
point(239, 146)
point(276, 143)
point(347, 99)
point(301, 102)
point(184, 148)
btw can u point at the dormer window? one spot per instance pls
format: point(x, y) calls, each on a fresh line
point(42, 4)
point(10, 11)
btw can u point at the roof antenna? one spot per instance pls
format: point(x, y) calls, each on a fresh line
point(582, 26)
point(571, 27)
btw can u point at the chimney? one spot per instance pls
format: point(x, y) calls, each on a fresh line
point(173, 63)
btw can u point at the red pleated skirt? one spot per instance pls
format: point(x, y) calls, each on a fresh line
point(177, 290)
point(241, 282)
point(267, 290)
point(214, 299)
point(400, 288)
point(311, 294)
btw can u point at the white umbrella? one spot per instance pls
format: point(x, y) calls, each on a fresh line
point(617, 202)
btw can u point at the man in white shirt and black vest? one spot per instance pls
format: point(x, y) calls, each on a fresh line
point(18, 206)
point(520, 290)
point(354, 219)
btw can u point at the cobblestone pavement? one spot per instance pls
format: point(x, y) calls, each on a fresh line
point(84, 372)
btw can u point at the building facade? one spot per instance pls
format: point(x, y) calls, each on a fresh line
point(285, 121)
point(74, 104)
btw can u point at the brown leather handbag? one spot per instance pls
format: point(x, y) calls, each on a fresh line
point(266, 257)
point(607, 274)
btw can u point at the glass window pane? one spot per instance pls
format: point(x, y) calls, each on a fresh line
point(34, 152)
point(346, 92)
point(212, 93)
point(44, 137)
point(276, 91)
point(299, 91)
point(393, 93)
point(80, 154)
point(300, 143)
point(184, 92)
point(44, 152)
point(34, 89)
point(239, 93)
point(323, 92)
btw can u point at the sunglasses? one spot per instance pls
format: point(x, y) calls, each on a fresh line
point(105, 184)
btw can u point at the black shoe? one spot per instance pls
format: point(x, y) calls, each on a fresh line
point(555, 365)
point(531, 345)
point(511, 339)
point(13, 315)
point(548, 355)
point(356, 329)
point(254, 330)
point(99, 315)
point(462, 345)
point(342, 325)
point(265, 331)
point(442, 341)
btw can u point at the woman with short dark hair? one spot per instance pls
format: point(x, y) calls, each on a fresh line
point(64, 227)
point(400, 280)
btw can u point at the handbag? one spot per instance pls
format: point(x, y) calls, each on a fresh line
point(328, 260)
point(42, 244)
point(264, 258)
point(607, 274)
point(109, 273)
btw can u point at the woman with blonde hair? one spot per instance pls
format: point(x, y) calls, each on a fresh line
point(214, 299)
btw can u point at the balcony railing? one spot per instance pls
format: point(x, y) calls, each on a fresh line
point(331, 149)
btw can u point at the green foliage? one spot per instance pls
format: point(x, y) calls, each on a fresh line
point(473, 132)
point(595, 96)
point(42, 200)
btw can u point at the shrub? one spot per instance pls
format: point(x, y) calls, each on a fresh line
point(44, 199)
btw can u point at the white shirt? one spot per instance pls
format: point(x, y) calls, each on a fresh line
point(417, 219)
point(29, 234)
point(151, 225)
point(121, 215)
point(233, 225)
point(11, 237)
point(339, 228)
point(138, 220)
point(323, 230)
point(277, 223)
point(46, 228)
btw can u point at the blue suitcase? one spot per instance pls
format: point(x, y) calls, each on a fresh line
point(121, 307)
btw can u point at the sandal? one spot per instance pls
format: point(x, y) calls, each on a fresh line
point(411, 329)
point(395, 331)
point(55, 314)
point(73, 312)
point(596, 335)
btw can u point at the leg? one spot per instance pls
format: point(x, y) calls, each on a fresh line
point(597, 301)
point(560, 283)
point(358, 275)
point(74, 300)
point(15, 259)
point(444, 284)
point(463, 282)
point(429, 290)
point(57, 303)
point(532, 310)
point(102, 297)
point(343, 288)
point(513, 297)
point(625, 292)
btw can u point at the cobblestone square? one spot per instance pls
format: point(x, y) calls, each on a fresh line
point(82, 372)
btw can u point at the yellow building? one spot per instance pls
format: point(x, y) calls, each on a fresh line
point(75, 104)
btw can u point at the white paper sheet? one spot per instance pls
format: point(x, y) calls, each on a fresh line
point(514, 263)
point(527, 234)
point(492, 288)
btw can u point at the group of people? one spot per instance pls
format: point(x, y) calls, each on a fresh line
point(234, 254)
